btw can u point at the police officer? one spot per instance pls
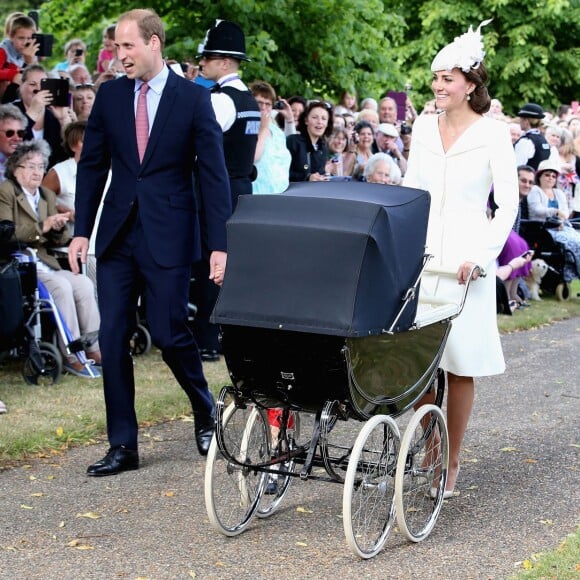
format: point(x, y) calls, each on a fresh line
point(234, 105)
point(238, 114)
point(531, 148)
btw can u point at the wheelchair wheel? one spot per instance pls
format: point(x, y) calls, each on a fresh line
point(368, 506)
point(51, 366)
point(421, 473)
point(277, 485)
point(140, 341)
point(232, 491)
point(562, 292)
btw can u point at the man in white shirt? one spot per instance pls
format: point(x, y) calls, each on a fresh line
point(531, 148)
point(238, 114)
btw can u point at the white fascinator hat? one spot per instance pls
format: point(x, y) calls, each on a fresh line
point(465, 52)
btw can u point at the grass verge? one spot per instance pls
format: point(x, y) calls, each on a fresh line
point(563, 562)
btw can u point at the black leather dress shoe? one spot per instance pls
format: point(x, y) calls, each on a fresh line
point(118, 459)
point(203, 434)
point(208, 355)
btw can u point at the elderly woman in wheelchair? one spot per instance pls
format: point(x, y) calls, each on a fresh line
point(40, 227)
point(548, 204)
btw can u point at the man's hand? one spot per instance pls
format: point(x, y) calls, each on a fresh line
point(78, 245)
point(217, 266)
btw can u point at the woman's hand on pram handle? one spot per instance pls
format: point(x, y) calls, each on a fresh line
point(469, 271)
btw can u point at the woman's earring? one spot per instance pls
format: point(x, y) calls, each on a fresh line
point(468, 97)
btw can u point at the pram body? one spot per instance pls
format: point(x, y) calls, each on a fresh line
point(319, 314)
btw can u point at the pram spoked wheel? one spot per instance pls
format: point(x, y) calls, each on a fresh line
point(140, 341)
point(368, 505)
point(232, 491)
point(421, 472)
point(277, 484)
point(44, 369)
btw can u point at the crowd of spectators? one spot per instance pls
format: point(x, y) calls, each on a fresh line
point(300, 139)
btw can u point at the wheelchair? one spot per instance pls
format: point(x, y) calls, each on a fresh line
point(30, 322)
point(553, 253)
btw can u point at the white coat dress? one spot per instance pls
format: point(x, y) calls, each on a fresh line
point(460, 181)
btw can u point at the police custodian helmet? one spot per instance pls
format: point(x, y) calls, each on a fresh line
point(224, 39)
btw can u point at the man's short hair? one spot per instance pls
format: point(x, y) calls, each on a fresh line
point(21, 22)
point(148, 22)
point(526, 168)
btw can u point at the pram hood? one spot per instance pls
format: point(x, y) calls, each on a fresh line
point(329, 258)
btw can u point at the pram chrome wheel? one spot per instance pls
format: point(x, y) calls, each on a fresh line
point(233, 491)
point(368, 506)
point(421, 467)
point(277, 485)
point(44, 369)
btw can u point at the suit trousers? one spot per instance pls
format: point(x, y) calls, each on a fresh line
point(75, 298)
point(125, 271)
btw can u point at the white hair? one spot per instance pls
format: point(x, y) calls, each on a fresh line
point(394, 173)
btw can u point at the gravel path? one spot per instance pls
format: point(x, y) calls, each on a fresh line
point(519, 494)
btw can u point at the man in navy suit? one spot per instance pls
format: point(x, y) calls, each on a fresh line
point(148, 233)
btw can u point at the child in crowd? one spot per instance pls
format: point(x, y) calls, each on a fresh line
point(16, 50)
point(107, 53)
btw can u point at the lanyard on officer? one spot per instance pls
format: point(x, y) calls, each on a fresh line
point(229, 79)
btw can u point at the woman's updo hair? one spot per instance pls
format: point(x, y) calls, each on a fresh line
point(480, 100)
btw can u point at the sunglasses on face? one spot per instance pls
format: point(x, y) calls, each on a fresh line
point(11, 132)
point(324, 104)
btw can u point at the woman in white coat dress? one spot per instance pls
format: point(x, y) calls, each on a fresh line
point(458, 156)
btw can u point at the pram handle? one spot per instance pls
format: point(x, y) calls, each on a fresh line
point(451, 273)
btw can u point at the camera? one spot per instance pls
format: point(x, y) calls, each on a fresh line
point(279, 105)
point(355, 138)
point(59, 89)
point(45, 42)
point(405, 129)
point(79, 52)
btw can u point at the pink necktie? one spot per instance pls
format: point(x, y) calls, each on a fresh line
point(142, 121)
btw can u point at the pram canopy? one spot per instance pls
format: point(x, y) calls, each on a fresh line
point(332, 258)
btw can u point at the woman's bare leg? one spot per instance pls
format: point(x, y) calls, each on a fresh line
point(460, 396)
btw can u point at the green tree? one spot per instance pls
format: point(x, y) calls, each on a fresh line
point(320, 48)
point(532, 47)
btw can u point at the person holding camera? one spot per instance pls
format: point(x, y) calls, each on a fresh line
point(45, 121)
point(272, 158)
point(75, 51)
point(17, 51)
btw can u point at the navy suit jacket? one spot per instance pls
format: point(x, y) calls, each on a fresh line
point(184, 133)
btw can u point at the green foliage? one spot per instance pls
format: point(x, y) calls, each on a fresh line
point(532, 48)
point(321, 48)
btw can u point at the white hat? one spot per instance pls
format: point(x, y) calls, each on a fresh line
point(465, 52)
point(548, 165)
point(388, 129)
